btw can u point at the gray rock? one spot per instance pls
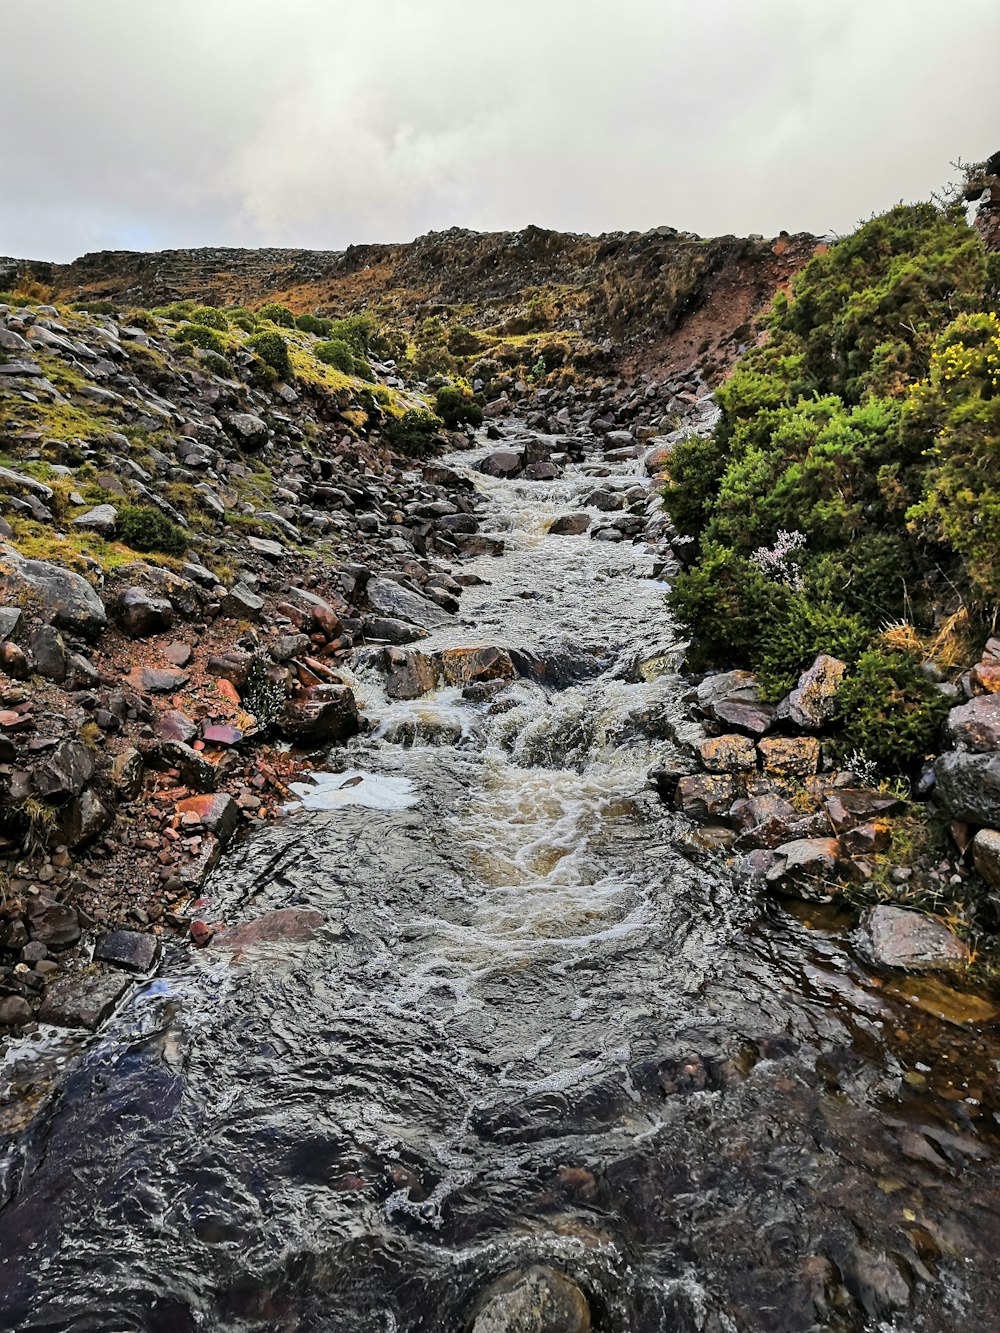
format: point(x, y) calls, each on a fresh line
point(49, 651)
point(101, 519)
point(976, 724)
point(194, 769)
point(241, 603)
point(897, 937)
point(83, 819)
point(52, 923)
point(65, 772)
point(385, 629)
point(986, 855)
point(502, 463)
point(389, 598)
point(65, 598)
point(14, 1011)
point(968, 786)
point(128, 949)
point(10, 618)
point(271, 550)
point(806, 867)
point(16, 481)
point(246, 429)
point(570, 525)
point(82, 1001)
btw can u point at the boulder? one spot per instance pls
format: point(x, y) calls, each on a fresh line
point(570, 525)
point(65, 771)
point(83, 819)
point(215, 811)
point(898, 937)
point(392, 599)
point(968, 786)
point(249, 431)
point(102, 519)
point(270, 550)
point(813, 701)
point(502, 463)
point(386, 629)
point(986, 855)
point(126, 773)
point(807, 868)
point(64, 598)
point(49, 651)
point(14, 1011)
point(139, 614)
point(790, 756)
point(128, 949)
point(82, 1001)
point(409, 675)
point(976, 725)
point(241, 603)
point(327, 713)
point(532, 1300)
point(462, 666)
point(704, 796)
point(723, 754)
point(541, 472)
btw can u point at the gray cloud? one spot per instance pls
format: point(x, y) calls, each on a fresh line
point(320, 122)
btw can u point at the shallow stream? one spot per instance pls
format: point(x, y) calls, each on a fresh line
point(538, 1024)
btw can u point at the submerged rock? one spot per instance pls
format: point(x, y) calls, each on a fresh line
point(533, 1300)
point(898, 937)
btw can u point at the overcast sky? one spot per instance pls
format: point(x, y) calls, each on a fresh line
point(145, 124)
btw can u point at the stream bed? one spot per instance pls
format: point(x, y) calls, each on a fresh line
point(519, 1017)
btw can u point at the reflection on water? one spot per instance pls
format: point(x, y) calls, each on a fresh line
point(513, 1022)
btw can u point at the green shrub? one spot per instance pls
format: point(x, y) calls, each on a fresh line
point(277, 314)
point(793, 640)
point(197, 335)
point(457, 407)
point(696, 467)
point(463, 341)
point(313, 324)
point(144, 528)
point(176, 310)
point(335, 353)
point(357, 331)
point(243, 319)
point(272, 349)
point(217, 365)
point(211, 317)
point(414, 433)
point(889, 711)
point(88, 307)
point(142, 319)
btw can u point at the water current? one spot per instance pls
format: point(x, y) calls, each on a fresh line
point(521, 1017)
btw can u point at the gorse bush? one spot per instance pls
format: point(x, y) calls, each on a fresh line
point(339, 354)
point(313, 324)
point(277, 314)
point(197, 335)
point(144, 528)
point(272, 349)
point(210, 317)
point(457, 407)
point(869, 423)
point(414, 433)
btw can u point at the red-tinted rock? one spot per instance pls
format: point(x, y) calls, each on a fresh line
point(156, 680)
point(176, 726)
point(201, 933)
point(219, 734)
point(215, 811)
point(285, 924)
point(790, 756)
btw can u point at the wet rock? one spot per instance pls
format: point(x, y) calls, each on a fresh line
point(790, 756)
point(898, 937)
point(65, 598)
point(54, 924)
point(65, 772)
point(215, 811)
point(813, 702)
point(705, 796)
point(477, 544)
point(128, 949)
point(49, 651)
point(878, 1283)
point(389, 598)
point(502, 463)
point(286, 924)
point(102, 519)
point(976, 725)
point(723, 754)
point(409, 675)
point(806, 867)
point(986, 855)
point(462, 666)
point(14, 1011)
point(327, 713)
point(241, 603)
point(968, 786)
point(532, 1300)
point(156, 680)
point(82, 1000)
point(385, 629)
point(658, 457)
point(201, 933)
point(570, 525)
point(541, 472)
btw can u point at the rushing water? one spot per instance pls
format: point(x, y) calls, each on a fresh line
point(537, 1024)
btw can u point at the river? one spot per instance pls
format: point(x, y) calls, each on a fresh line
point(540, 1024)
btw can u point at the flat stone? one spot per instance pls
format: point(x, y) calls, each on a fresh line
point(222, 735)
point(156, 680)
point(745, 714)
point(271, 550)
point(241, 603)
point(129, 949)
point(285, 925)
point(389, 598)
point(54, 924)
point(176, 726)
point(898, 937)
point(82, 1000)
point(101, 519)
point(386, 629)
